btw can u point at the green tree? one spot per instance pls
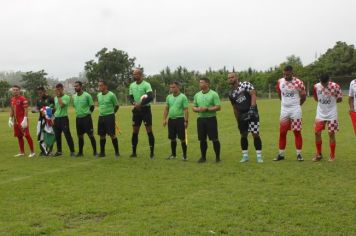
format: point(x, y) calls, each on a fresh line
point(4, 93)
point(32, 80)
point(114, 67)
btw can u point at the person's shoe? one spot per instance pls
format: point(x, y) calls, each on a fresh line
point(152, 156)
point(171, 157)
point(332, 159)
point(102, 155)
point(72, 154)
point(95, 154)
point(299, 157)
point(79, 154)
point(117, 155)
point(317, 158)
point(19, 155)
point(202, 160)
point(42, 154)
point(244, 159)
point(133, 155)
point(217, 160)
point(58, 154)
point(32, 154)
point(259, 160)
point(279, 158)
point(184, 158)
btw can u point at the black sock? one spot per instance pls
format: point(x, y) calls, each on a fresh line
point(102, 145)
point(81, 143)
point(258, 143)
point(115, 143)
point(184, 148)
point(173, 147)
point(93, 143)
point(217, 149)
point(134, 142)
point(151, 141)
point(203, 148)
point(244, 143)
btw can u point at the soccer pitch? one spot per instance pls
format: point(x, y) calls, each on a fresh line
point(91, 196)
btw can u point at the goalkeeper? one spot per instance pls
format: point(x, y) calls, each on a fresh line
point(243, 100)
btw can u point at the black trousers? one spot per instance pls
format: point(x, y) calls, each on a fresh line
point(61, 124)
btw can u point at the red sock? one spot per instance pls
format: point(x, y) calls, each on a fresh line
point(332, 149)
point(298, 140)
point(318, 147)
point(21, 144)
point(30, 142)
point(282, 140)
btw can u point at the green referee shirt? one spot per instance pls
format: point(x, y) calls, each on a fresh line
point(107, 103)
point(82, 104)
point(137, 90)
point(176, 105)
point(209, 99)
point(62, 111)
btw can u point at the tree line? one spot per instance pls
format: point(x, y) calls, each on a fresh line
point(115, 67)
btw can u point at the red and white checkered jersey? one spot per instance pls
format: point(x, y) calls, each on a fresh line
point(352, 92)
point(289, 91)
point(326, 97)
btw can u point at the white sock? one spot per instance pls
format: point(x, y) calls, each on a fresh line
point(245, 153)
point(299, 152)
point(281, 152)
point(259, 153)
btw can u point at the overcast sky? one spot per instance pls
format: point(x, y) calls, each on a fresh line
point(59, 36)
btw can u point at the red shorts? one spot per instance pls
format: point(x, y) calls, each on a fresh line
point(333, 125)
point(20, 132)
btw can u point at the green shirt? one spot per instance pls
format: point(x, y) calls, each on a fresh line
point(209, 99)
point(61, 111)
point(82, 104)
point(137, 90)
point(107, 103)
point(176, 105)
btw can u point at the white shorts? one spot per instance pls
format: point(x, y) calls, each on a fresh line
point(291, 113)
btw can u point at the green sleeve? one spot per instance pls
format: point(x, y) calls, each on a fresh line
point(90, 99)
point(185, 102)
point(148, 87)
point(130, 90)
point(216, 99)
point(195, 101)
point(66, 99)
point(114, 99)
point(167, 100)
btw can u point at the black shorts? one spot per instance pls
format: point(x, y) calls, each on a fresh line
point(106, 125)
point(207, 127)
point(176, 128)
point(61, 124)
point(252, 125)
point(143, 115)
point(84, 125)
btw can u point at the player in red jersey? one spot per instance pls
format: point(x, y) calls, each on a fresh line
point(19, 121)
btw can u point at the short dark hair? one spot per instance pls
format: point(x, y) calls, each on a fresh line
point(16, 86)
point(59, 85)
point(176, 83)
point(41, 88)
point(324, 77)
point(288, 68)
point(79, 82)
point(205, 79)
point(103, 81)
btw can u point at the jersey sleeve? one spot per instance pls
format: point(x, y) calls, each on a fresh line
point(24, 102)
point(130, 90)
point(195, 101)
point(167, 103)
point(351, 91)
point(216, 99)
point(66, 100)
point(278, 89)
point(148, 87)
point(315, 94)
point(90, 100)
point(338, 91)
point(185, 102)
point(301, 86)
point(114, 100)
point(247, 86)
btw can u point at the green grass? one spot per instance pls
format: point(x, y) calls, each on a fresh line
point(88, 196)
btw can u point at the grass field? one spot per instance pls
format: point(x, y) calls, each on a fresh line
point(88, 196)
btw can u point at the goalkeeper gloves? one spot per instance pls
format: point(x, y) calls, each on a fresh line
point(253, 112)
point(24, 123)
point(11, 122)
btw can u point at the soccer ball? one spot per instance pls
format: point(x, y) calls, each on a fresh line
point(143, 97)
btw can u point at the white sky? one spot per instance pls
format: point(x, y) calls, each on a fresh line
point(61, 35)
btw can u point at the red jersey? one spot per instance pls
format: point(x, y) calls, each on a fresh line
point(18, 105)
